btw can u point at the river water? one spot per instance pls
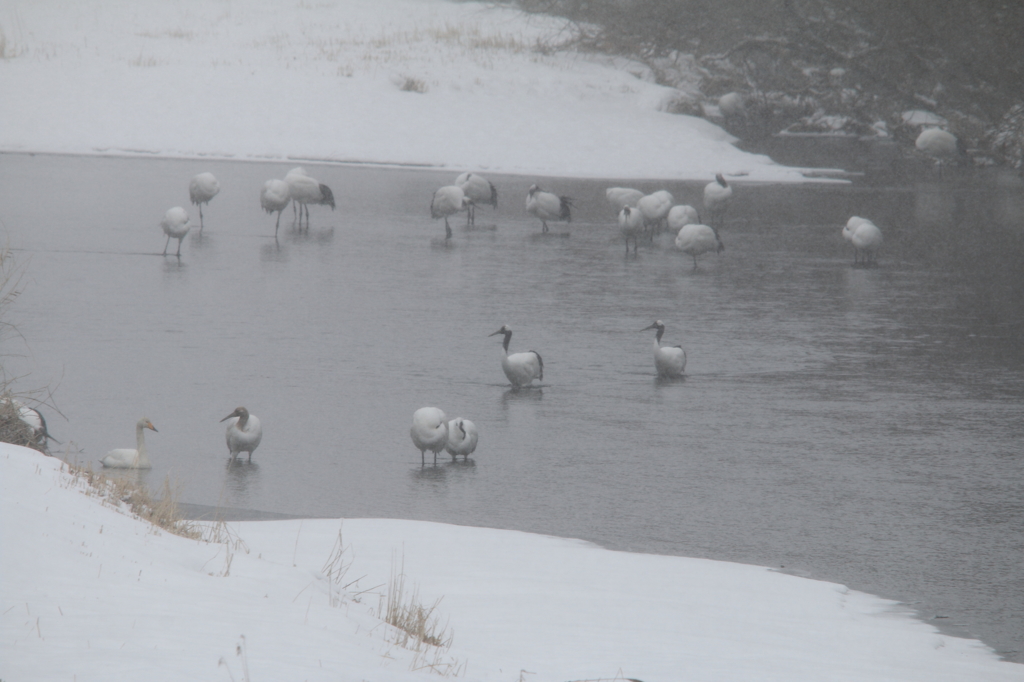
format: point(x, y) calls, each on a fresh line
point(859, 425)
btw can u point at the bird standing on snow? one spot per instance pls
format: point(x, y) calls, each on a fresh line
point(478, 190)
point(127, 458)
point(548, 206)
point(655, 208)
point(520, 368)
point(697, 239)
point(244, 434)
point(175, 224)
point(865, 237)
point(462, 438)
point(621, 197)
point(448, 200)
point(631, 222)
point(305, 190)
point(275, 196)
point(429, 431)
point(670, 361)
point(717, 196)
point(201, 189)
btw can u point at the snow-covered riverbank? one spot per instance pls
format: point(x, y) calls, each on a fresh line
point(89, 593)
point(443, 84)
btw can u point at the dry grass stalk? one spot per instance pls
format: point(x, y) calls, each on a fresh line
point(115, 492)
point(409, 616)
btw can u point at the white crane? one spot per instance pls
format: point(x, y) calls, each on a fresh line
point(696, 239)
point(865, 237)
point(201, 189)
point(670, 361)
point(127, 458)
point(244, 434)
point(631, 223)
point(275, 196)
point(681, 215)
point(655, 207)
point(548, 206)
point(520, 368)
point(429, 431)
point(479, 190)
point(462, 438)
point(717, 197)
point(941, 145)
point(448, 200)
point(175, 225)
point(305, 189)
point(621, 197)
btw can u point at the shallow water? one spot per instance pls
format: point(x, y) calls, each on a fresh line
point(856, 425)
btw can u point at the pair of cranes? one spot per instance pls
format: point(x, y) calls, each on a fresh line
point(472, 189)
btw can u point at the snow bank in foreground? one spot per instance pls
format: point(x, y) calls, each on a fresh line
point(456, 85)
point(89, 593)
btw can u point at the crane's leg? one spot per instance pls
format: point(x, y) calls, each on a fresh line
point(179, 247)
point(447, 229)
point(200, 217)
point(167, 243)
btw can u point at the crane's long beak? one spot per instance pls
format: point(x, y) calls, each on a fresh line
point(496, 333)
point(653, 326)
point(233, 414)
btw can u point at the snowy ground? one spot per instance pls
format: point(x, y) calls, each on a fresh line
point(90, 593)
point(445, 84)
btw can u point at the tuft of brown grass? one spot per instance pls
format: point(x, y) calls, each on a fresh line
point(410, 84)
point(417, 622)
point(162, 512)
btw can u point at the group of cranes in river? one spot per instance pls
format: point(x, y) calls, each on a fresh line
point(638, 214)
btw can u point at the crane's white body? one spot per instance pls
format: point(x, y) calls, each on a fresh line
point(696, 239)
point(128, 458)
point(462, 438)
point(479, 190)
point(32, 418)
point(448, 200)
point(305, 189)
point(621, 197)
point(937, 143)
point(681, 215)
point(631, 223)
point(429, 431)
point(669, 361)
point(244, 433)
point(520, 368)
point(275, 196)
point(655, 207)
point(201, 189)
point(175, 225)
point(548, 206)
point(865, 237)
point(717, 197)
